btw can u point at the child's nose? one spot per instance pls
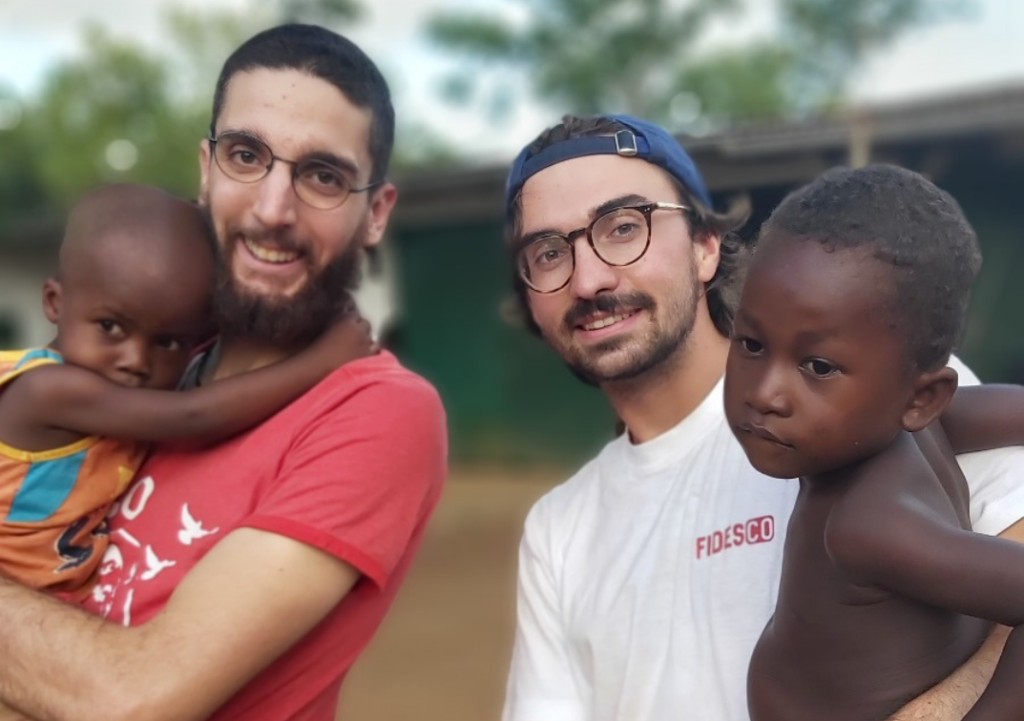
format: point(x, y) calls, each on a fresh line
point(135, 362)
point(769, 395)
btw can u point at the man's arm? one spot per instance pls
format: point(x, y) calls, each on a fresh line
point(985, 416)
point(77, 400)
point(541, 683)
point(953, 697)
point(247, 601)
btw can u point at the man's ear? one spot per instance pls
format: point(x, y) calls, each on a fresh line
point(932, 392)
point(52, 295)
point(707, 252)
point(205, 157)
point(382, 201)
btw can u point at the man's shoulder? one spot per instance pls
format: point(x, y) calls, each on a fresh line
point(558, 506)
point(381, 376)
point(382, 368)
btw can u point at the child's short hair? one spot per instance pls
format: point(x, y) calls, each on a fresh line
point(908, 223)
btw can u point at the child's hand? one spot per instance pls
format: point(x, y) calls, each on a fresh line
point(347, 338)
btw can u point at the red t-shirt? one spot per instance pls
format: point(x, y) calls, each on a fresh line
point(354, 467)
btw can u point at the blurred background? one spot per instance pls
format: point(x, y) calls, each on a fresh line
point(765, 94)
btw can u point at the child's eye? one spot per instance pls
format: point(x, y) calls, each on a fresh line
point(169, 344)
point(110, 327)
point(750, 346)
point(820, 368)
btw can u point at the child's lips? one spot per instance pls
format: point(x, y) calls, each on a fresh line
point(760, 431)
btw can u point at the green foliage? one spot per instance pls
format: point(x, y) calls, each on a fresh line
point(94, 112)
point(22, 194)
point(746, 84)
point(833, 37)
point(319, 12)
point(590, 56)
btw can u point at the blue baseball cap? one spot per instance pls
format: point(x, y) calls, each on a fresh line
point(641, 139)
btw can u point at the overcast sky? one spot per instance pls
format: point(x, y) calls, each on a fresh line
point(985, 49)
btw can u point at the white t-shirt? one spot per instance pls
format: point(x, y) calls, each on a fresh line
point(646, 579)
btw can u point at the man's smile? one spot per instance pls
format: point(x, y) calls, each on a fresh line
point(270, 255)
point(602, 320)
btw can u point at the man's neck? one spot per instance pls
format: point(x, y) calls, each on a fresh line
point(660, 400)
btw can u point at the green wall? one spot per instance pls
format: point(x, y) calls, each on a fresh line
point(509, 398)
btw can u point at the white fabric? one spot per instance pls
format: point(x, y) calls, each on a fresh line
point(646, 579)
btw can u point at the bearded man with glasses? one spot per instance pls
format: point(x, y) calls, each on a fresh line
point(244, 579)
point(646, 579)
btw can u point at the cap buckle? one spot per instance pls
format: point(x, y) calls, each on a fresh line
point(625, 143)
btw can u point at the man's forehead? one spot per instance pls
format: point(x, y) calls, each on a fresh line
point(575, 189)
point(296, 113)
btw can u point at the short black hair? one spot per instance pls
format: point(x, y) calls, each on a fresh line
point(722, 290)
point(323, 54)
point(906, 222)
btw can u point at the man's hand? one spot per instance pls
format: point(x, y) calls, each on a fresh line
point(953, 697)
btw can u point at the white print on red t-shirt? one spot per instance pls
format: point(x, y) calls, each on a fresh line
point(191, 529)
point(111, 582)
point(757, 530)
point(154, 565)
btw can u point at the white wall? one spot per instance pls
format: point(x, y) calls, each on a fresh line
point(21, 283)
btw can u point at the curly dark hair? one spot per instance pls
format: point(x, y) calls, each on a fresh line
point(909, 224)
point(722, 290)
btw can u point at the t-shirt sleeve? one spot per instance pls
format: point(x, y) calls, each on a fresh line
point(995, 477)
point(542, 684)
point(362, 474)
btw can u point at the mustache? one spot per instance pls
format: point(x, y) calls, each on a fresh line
point(610, 304)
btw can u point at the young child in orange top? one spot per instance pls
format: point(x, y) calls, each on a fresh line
point(837, 376)
point(131, 303)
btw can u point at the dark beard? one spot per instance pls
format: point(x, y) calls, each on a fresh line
point(286, 322)
point(643, 363)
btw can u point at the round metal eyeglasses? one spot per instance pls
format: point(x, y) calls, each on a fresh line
point(619, 237)
point(318, 183)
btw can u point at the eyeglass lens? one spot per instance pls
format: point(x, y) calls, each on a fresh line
point(247, 160)
point(618, 237)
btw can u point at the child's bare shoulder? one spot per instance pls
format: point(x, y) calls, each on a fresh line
point(887, 506)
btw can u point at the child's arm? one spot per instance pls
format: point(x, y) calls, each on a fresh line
point(78, 400)
point(910, 551)
point(983, 417)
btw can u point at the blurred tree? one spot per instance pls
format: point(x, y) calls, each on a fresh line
point(120, 111)
point(319, 12)
point(22, 193)
point(110, 116)
point(650, 57)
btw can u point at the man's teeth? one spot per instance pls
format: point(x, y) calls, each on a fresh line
point(605, 322)
point(270, 256)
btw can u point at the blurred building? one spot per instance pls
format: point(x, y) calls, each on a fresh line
point(438, 299)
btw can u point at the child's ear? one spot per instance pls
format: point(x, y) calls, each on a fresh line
point(52, 293)
point(932, 393)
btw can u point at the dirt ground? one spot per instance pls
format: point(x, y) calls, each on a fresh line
point(443, 650)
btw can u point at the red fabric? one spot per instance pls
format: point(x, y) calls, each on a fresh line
point(354, 467)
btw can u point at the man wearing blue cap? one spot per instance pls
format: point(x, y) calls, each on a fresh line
point(647, 577)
